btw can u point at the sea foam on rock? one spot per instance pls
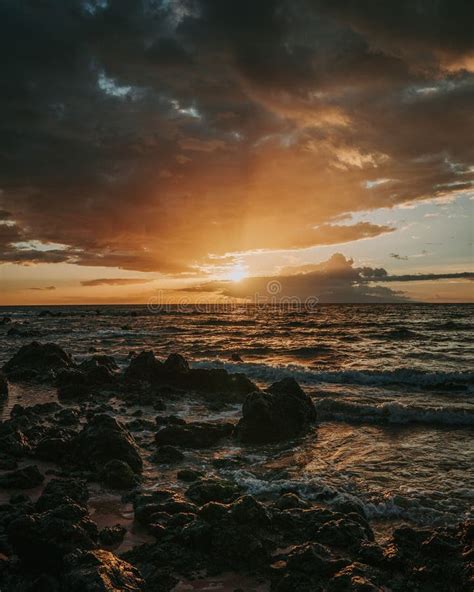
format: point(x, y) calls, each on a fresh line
point(284, 411)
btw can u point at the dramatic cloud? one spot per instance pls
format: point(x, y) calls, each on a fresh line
point(150, 135)
point(115, 282)
point(335, 280)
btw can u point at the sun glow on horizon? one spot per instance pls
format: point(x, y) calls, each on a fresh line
point(237, 273)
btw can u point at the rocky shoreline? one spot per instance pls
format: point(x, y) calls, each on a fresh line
point(205, 525)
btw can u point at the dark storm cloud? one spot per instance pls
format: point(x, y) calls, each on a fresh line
point(146, 135)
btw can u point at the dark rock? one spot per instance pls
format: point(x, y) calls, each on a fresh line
point(111, 536)
point(188, 475)
point(213, 490)
point(143, 367)
point(24, 478)
point(100, 571)
point(43, 540)
point(176, 364)
point(99, 361)
point(194, 435)
point(235, 358)
point(283, 412)
point(356, 577)
point(97, 373)
point(37, 361)
point(149, 507)
point(55, 448)
point(67, 417)
point(290, 500)
point(117, 474)
point(343, 533)
point(167, 454)
point(58, 490)
point(13, 441)
point(305, 568)
point(3, 386)
point(7, 463)
point(169, 420)
point(103, 439)
point(175, 372)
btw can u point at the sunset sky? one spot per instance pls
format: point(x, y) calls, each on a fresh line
point(199, 149)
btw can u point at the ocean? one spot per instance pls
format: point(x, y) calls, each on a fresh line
point(392, 384)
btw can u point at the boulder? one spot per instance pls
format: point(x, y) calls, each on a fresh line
point(117, 474)
point(143, 367)
point(12, 440)
point(103, 439)
point(281, 413)
point(111, 536)
point(60, 491)
point(175, 372)
point(194, 435)
point(100, 571)
point(25, 478)
point(43, 540)
point(37, 361)
point(167, 455)
point(213, 490)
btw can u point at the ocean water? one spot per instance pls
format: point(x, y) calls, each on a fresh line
point(393, 386)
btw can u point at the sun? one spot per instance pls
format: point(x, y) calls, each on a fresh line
point(236, 273)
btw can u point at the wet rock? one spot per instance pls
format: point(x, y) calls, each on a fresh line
point(356, 577)
point(24, 478)
point(68, 417)
point(58, 491)
point(100, 372)
point(344, 533)
point(188, 475)
point(7, 463)
point(194, 435)
point(290, 500)
point(305, 568)
point(283, 412)
point(175, 373)
point(117, 474)
point(37, 361)
point(55, 446)
point(213, 490)
point(5, 321)
point(3, 386)
point(13, 441)
point(43, 540)
point(139, 425)
point(169, 420)
point(176, 364)
point(167, 455)
point(149, 508)
point(99, 361)
point(111, 536)
point(237, 536)
point(100, 571)
point(143, 367)
point(103, 439)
